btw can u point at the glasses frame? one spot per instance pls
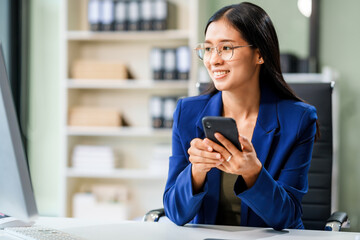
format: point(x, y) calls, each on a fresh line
point(219, 52)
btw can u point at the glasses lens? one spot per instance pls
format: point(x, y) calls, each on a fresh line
point(203, 51)
point(200, 51)
point(225, 50)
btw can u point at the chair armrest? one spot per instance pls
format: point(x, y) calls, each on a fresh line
point(154, 215)
point(336, 221)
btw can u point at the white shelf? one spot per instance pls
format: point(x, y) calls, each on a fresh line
point(141, 174)
point(127, 84)
point(118, 131)
point(128, 35)
point(303, 77)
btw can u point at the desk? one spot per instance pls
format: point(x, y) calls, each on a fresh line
point(108, 230)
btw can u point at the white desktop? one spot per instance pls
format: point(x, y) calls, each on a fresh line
point(131, 230)
point(17, 200)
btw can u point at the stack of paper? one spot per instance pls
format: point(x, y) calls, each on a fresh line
point(93, 158)
point(102, 202)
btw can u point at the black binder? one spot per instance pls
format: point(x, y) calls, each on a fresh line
point(169, 108)
point(156, 111)
point(157, 63)
point(170, 64)
point(133, 15)
point(121, 18)
point(147, 13)
point(161, 14)
point(94, 18)
point(183, 62)
point(107, 15)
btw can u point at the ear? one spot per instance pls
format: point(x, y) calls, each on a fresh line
point(259, 59)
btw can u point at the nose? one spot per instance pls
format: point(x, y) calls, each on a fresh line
point(215, 57)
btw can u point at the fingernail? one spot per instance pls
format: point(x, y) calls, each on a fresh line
point(210, 149)
point(218, 156)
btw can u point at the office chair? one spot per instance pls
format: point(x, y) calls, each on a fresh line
point(316, 203)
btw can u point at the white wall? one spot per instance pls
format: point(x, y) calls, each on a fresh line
point(45, 104)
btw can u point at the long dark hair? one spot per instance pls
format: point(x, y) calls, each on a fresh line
point(257, 29)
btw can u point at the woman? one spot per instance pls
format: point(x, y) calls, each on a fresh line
point(263, 185)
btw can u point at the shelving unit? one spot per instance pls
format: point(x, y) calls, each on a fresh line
point(133, 145)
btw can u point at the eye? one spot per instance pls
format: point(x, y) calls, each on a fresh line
point(226, 48)
point(207, 49)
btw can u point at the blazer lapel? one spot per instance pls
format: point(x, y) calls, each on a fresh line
point(266, 124)
point(214, 107)
point(265, 128)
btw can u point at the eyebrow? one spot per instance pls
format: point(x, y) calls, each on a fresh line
point(223, 40)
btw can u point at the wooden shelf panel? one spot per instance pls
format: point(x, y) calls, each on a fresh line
point(134, 174)
point(128, 35)
point(127, 84)
point(118, 131)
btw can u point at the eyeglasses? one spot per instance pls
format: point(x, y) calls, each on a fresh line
point(224, 49)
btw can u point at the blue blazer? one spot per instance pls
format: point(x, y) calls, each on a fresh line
point(283, 139)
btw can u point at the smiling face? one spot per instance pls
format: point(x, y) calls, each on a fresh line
point(242, 70)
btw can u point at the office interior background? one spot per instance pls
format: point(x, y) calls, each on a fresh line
point(50, 46)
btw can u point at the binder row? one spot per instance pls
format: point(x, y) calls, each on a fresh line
point(170, 63)
point(126, 15)
point(161, 111)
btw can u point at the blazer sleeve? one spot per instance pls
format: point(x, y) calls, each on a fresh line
point(180, 204)
point(278, 202)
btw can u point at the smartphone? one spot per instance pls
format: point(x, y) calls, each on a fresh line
point(225, 126)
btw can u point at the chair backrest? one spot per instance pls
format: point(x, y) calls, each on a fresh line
point(317, 202)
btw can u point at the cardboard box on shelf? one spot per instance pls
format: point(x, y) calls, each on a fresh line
point(91, 69)
point(92, 116)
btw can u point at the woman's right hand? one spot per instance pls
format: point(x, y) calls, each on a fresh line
point(203, 159)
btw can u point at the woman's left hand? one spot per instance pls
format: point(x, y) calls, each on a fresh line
point(244, 163)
